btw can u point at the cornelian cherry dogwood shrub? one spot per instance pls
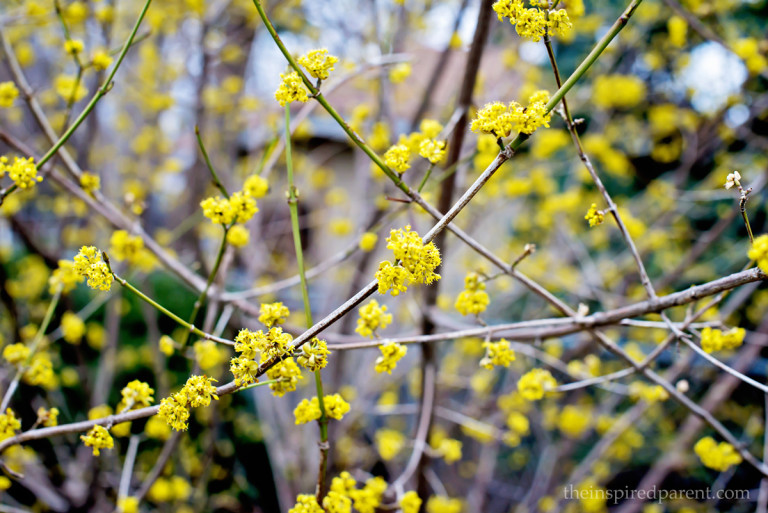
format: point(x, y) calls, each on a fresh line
point(295, 257)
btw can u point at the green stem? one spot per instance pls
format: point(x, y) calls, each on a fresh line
point(293, 204)
point(32, 349)
point(103, 90)
point(259, 384)
point(426, 177)
point(215, 176)
point(160, 307)
point(204, 293)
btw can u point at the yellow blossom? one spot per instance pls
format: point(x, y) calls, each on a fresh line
point(390, 354)
point(318, 63)
point(291, 89)
point(372, 318)
point(98, 438)
point(497, 354)
point(8, 93)
point(716, 456)
point(273, 313)
point(534, 383)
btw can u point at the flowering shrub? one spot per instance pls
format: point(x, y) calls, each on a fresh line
point(286, 256)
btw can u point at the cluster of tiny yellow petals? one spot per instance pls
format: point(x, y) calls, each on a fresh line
point(8, 93)
point(136, 394)
point(40, 371)
point(649, 393)
point(432, 150)
point(73, 46)
point(442, 504)
point(716, 340)
point(494, 118)
point(368, 241)
point(716, 456)
point(238, 236)
point(124, 246)
point(308, 410)
point(497, 354)
point(286, 375)
point(9, 424)
point(473, 300)
point(72, 328)
point(64, 276)
point(390, 354)
point(98, 438)
point(291, 89)
point(197, 391)
point(23, 171)
point(16, 354)
point(239, 208)
point(273, 313)
point(101, 60)
point(499, 120)
point(759, 252)
point(392, 278)
point(594, 216)
point(256, 186)
point(398, 158)
point(416, 262)
point(336, 502)
point(313, 355)
point(48, 418)
point(318, 63)
point(89, 264)
point(306, 503)
point(372, 318)
point(534, 383)
point(533, 23)
point(90, 182)
point(244, 370)
point(410, 503)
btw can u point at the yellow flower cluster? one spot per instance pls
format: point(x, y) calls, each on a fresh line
point(48, 418)
point(90, 182)
point(368, 241)
point(716, 456)
point(9, 424)
point(533, 23)
point(499, 119)
point(397, 158)
point(256, 186)
point(273, 344)
point(98, 438)
point(136, 394)
point(197, 391)
point(16, 354)
point(8, 93)
point(497, 354)
point(390, 354)
point(442, 504)
point(306, 503)
point(313, 355)
point(74, 46)
point(759, 252)
point(432, 150)
point(88, 263)
point(287, 374)
point(318, 63)
point(64, 276)
point(239, 208)
point(273, 313)
point(649, 393)
point(594, 216)
point(716, 340)
point(291, 89)
point(618, 91)
point(23, 171)
point(416, 262)
point(389, 442)
point(473, 300)
point(534, 383)
point(40, 372)
point(124, 246)
point(410, 503)
point(372, 317)
point(308, 410)
point(72, 328)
